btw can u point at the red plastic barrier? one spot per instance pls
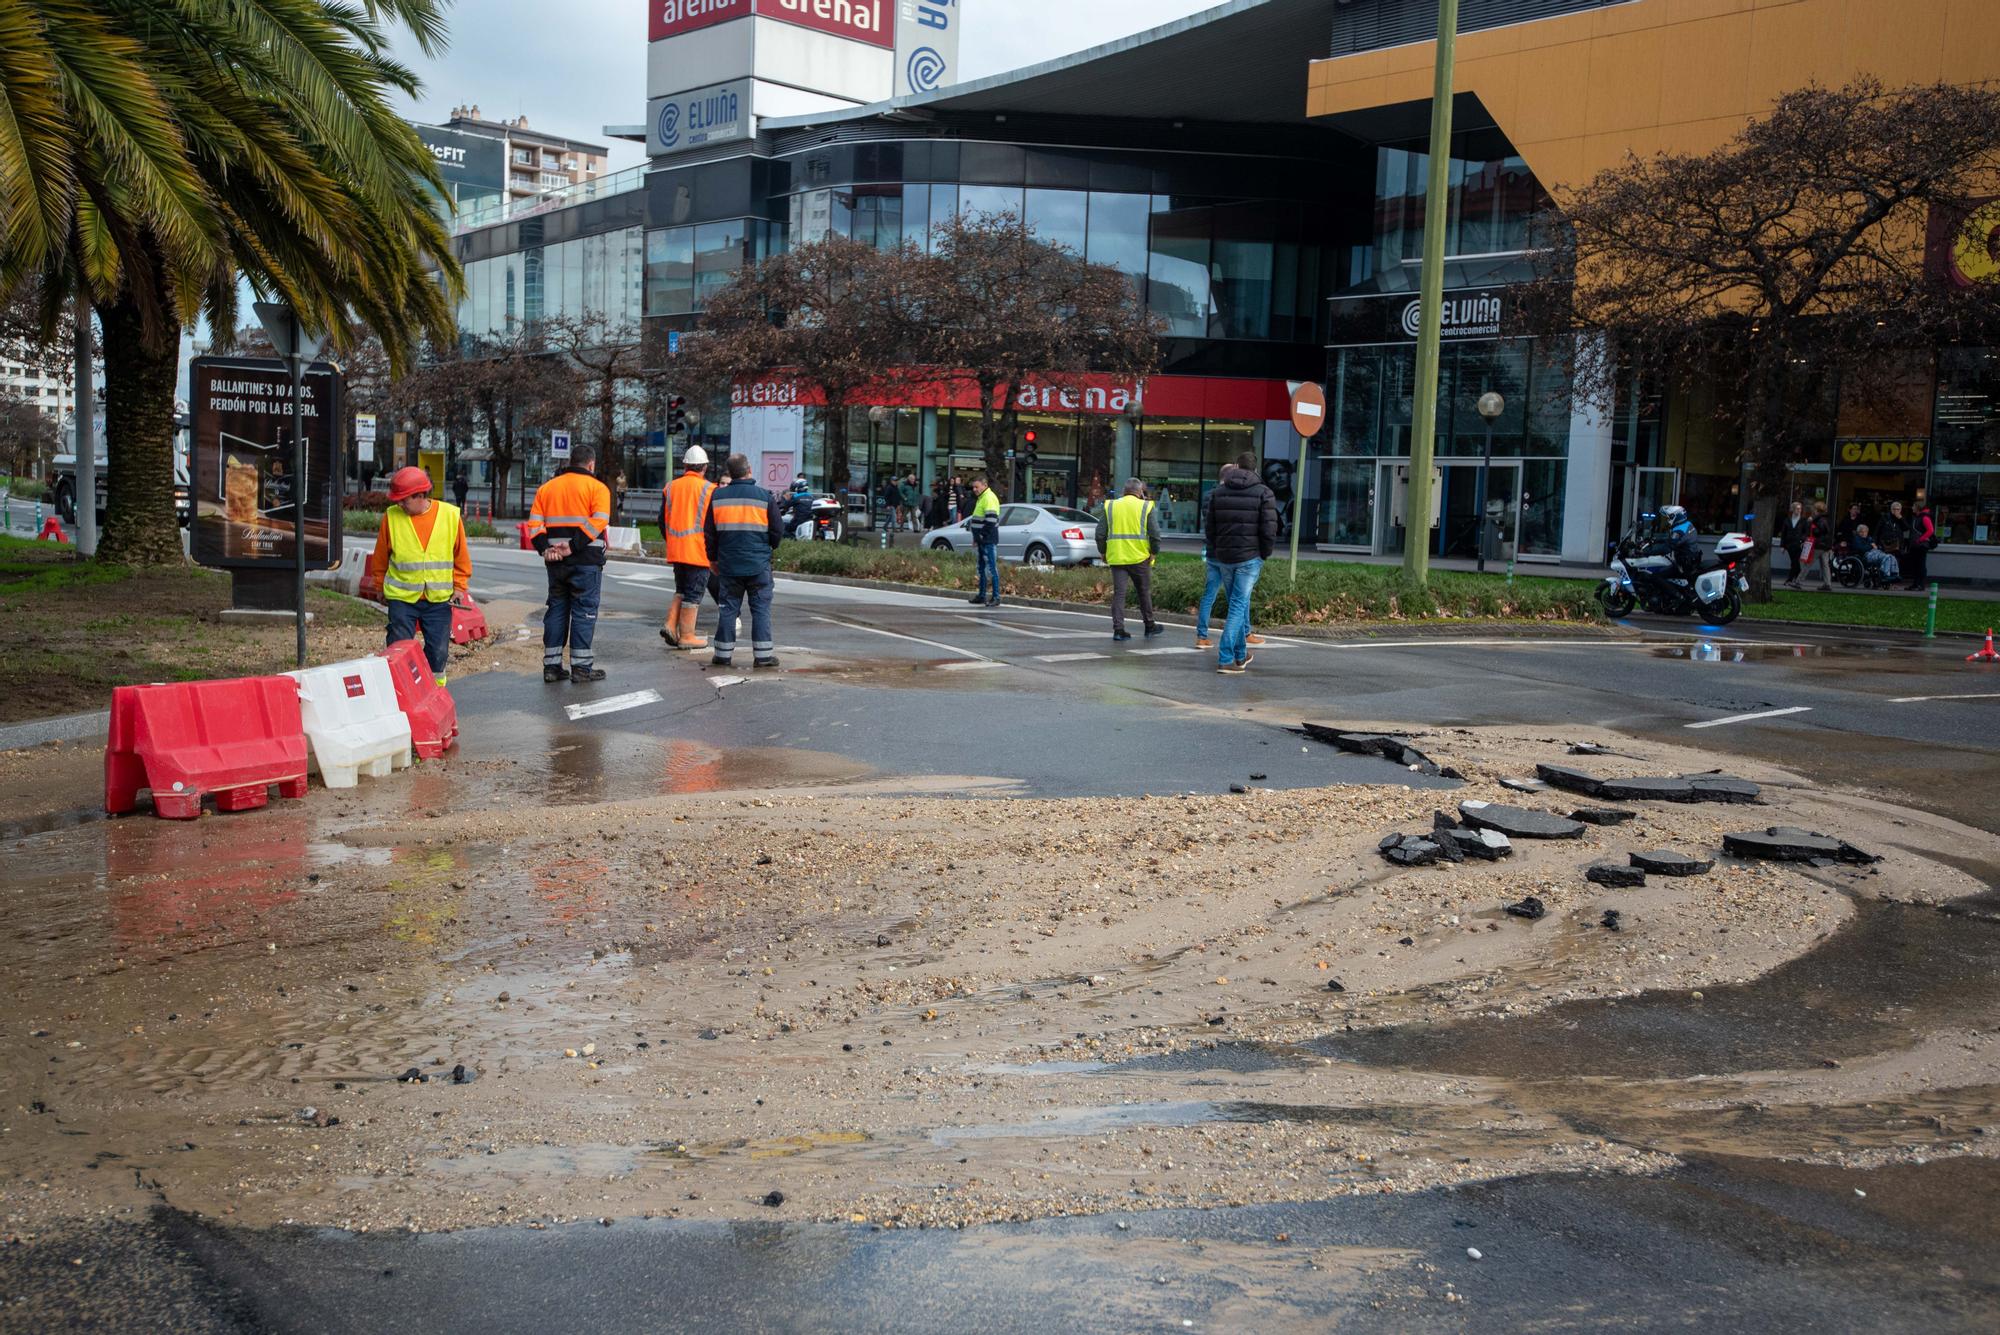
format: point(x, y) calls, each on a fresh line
point(371, 588)
point(52, 528)
point(230, 738)
point(468, 623)
point(527, 545)
point(432, 713)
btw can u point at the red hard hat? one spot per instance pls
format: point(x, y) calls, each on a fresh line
point(408, 482)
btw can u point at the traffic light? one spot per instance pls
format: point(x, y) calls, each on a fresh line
point(677, 417)
point(1028, 447)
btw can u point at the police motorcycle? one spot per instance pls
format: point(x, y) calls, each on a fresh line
point(822, 519)
point(1655, 567)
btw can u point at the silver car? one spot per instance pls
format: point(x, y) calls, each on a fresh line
point(1035, 535)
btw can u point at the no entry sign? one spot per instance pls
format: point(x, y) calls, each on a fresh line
point(1308, 409)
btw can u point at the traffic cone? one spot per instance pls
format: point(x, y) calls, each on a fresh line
point(1987, 654)
point(52, 528)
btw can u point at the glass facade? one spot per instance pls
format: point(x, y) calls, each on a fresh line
point(1965, 441)
point(588, 278)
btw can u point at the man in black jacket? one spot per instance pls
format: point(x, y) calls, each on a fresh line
point(1241, 521)
point(745, 524)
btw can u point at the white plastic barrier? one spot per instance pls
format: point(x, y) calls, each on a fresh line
point(352, 720)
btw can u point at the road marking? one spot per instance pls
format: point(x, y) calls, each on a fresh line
point(644, 575)
point(1068, 658)
point(1016, 630)
point(898, 635)
point(719, 682)
point(1745, 718)
point(967, 667)
point(612, 704)
point(500, 590)
point(1182, 649)
point(1918, 699)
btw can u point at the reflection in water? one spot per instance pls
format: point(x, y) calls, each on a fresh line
point(691, 767)
point(177, 885)
point(573, 888)
point(425, 895)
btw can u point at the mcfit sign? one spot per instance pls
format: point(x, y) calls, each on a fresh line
point(871, 21)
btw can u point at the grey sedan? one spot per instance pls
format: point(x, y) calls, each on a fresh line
point(1036, 535)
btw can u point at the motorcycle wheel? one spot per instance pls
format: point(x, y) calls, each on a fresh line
point(1616, 604)
point(1726, 610)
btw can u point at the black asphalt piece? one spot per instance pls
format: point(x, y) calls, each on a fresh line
point(1397, 749)
point(1724, 788)
point(1519, 822)
point(1409, 850)
point(1714, 787)
point(1602, 815)
point(1618, 878)
point(1530, 908)
point(1610, 921)
point(1523, 785)
point(1788, 843)
point(1485, 845)
point(1646, 790)
point(1589, 749)
point(1667, 862)
point(1568, 779)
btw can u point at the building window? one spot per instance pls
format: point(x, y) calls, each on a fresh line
point(1177, 271)
point(670, 271)
point(1116, 232)
point(1965, 434)
point(525, 156)
point(1057, 217)
point(718, 254)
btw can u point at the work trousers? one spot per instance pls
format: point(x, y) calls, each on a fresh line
point(730, 590)
point(1139, 576)
point(433, 619)
point(574, 591)
point(989, 569)
point(690, 582)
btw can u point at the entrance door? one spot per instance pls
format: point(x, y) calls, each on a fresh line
point(1460, 527)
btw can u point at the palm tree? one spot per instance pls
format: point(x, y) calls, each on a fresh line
point(149, 154)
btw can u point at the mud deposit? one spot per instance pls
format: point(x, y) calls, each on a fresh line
point(672, 994)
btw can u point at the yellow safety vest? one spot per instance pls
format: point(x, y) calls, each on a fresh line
point(1127, 546)
point(420, 572)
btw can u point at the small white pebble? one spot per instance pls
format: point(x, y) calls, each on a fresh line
point(1474, 1253)
point(1859, 1192)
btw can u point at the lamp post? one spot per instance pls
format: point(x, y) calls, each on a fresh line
point(1490, 406)
point(1430, 301)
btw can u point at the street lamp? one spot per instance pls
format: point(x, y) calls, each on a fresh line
point(1490, 406)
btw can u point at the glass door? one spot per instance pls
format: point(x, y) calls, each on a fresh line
point(1649, 489)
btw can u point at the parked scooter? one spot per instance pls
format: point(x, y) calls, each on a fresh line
point(1650, 570)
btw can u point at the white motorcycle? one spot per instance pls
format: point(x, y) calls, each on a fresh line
point(1645, 577)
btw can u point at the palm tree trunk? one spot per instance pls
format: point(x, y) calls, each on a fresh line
point(140, 527)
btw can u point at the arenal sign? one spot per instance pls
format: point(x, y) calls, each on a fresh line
point(870, 21)
point(1094, 395)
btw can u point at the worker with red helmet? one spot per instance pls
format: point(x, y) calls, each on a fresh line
point(421, 563)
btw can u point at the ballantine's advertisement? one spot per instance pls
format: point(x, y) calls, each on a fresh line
point(862, 20)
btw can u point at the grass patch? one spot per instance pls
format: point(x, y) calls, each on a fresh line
point(1327, 592)
point(1887, 611)
point(75, 629)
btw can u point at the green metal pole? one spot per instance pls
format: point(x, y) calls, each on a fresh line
point(1423, 401)
point(1298, 506)
point(1930, 617)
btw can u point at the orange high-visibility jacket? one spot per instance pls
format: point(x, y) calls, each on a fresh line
point(572, 505)
point(687, 512)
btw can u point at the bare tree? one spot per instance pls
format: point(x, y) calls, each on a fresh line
point(1004, 309)
point(613, 376)
point(834, 318)
point(28, 436)
point(512, 385)
point(1795, 252)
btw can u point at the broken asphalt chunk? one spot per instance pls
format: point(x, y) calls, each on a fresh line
point(1567, 779)
point(1519, 822)
point(1381, 744)
point(1530, 908)
point(1486, 845)
point(1788, 843)
point(1618, 878)
point(1602, 815)
point(1712, 787)
point(1666, 862)
point(1610, 920)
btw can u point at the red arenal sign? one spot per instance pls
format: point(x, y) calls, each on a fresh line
point(871, 21)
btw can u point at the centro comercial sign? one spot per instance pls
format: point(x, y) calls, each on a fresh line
point(1466, 315)
point(870, 21)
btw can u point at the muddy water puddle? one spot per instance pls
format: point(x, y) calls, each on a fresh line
point(1894, 973)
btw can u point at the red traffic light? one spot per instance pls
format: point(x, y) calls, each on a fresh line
point(1030, 438)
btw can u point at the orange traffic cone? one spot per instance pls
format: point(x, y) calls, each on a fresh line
point(1987, 654)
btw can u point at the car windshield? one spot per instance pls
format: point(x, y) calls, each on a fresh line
point(1069, 516)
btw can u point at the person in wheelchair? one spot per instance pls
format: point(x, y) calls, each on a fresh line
point(1872, 557)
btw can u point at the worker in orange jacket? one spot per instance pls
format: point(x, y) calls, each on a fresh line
point(683, 514)
point(567, 524)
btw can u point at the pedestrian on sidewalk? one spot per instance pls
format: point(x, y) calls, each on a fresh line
point(1792, 537)
point(745, 524)
point(1892, 535)
point(567, 524)
point(1922, 542)
point(1128, 538)
point(912, 497)
point(889, 496)
point(1819, 547)
point(1241, 521)
point(461, 484)
point(421, 563)
point(684, 523)
point(983, 523)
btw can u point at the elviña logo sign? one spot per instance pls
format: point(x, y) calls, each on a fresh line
point(1476, 315)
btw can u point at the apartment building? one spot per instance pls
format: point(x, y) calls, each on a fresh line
point(536, 162)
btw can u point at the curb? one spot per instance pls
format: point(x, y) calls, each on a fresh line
point(59, 728)
point(1905, 631)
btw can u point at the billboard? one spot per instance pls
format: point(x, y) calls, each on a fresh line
point(869, 21)
point(246, 496)
point(926, 45)
point(713, 115)
point(470, 163)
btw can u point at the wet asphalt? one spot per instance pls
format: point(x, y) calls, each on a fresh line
point(925, 692)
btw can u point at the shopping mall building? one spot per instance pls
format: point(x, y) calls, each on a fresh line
point(1258, 170)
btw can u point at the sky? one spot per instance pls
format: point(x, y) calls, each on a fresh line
point(575, 67)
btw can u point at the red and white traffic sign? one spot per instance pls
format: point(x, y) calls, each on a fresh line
point(1308, 409)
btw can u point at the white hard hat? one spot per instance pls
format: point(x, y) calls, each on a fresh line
point(696, 457)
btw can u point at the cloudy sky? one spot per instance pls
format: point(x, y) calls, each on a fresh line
point(579, 65)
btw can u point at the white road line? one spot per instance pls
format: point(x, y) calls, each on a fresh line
point(1918, 699)
point(1745, 718)
point(499, 590)
point(719, 682)
point(1016, 630)
point(1179, 649)
point(643, 575)
point(1068, 658)
point(967, 667)
point(612, 704)
point(898, 635)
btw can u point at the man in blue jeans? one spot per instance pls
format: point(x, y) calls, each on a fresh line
point(1210, 591)
point(984, 526)
point(1240, 520)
